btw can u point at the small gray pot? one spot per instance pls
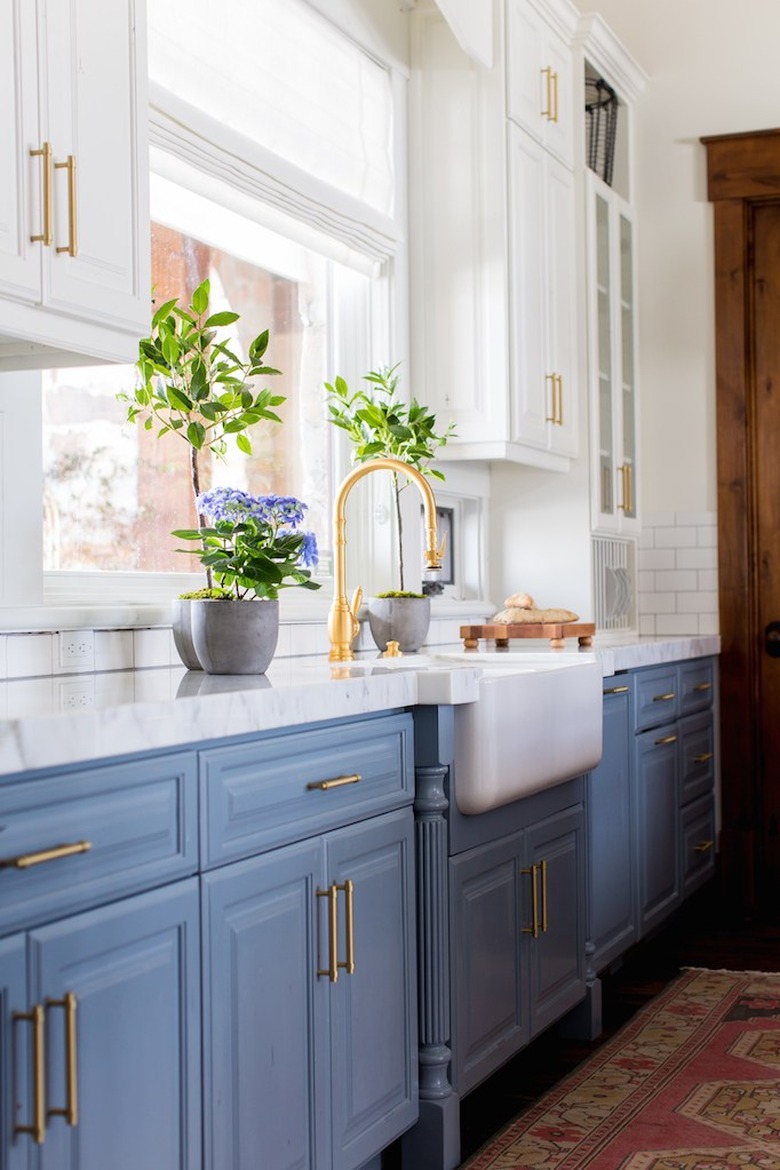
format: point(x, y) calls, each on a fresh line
point(234, 637)
point(404, 620)
point(181, 626)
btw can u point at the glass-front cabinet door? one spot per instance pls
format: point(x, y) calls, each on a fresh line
point(612, 358)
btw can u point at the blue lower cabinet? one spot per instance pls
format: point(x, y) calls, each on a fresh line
point(657, 812)
point(612, 903)
point(310, 1028)
point(115, 998)
point(16, 1100)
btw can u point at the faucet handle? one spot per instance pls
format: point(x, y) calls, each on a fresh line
point(357, 597)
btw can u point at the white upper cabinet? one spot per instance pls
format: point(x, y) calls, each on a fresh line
point(74, 218)
point(540, 94)
point(493, 258)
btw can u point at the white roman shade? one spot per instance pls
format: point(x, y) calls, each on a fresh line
point(308, 103)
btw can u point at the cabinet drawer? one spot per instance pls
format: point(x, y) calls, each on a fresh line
point(697, 756)
point(656, 697)
point(697, 685)
point(281, 788)
point(698, 843)
point(131, 826)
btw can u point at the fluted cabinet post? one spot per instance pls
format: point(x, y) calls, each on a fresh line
point(435, 1140)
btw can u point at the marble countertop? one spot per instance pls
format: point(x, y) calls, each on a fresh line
point(62, 720)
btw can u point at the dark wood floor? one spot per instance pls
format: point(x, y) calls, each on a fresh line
point(699, 936)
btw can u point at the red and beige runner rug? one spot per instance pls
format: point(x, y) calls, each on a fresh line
point(691, 1083)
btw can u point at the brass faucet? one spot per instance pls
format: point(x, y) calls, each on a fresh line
point(343, 622)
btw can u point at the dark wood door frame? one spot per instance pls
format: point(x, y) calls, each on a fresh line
point(742, 170)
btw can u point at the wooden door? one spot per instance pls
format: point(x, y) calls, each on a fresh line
point(744, 186)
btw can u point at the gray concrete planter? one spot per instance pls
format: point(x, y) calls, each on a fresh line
point(234, 637)
point(181, 626)
point(404, 620)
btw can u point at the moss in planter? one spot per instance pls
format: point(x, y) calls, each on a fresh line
point(400, 593)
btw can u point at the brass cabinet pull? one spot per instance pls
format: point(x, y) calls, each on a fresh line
point(332, 968)
point(704, 846)
point(559, 377)
point(334, 963)
point(703, 686)
point(533, 929)
point(543, 868)
point(37, 1129)
point(667, 739)
point(46, 234)
point(336, 782)
point(25, 860)
point(550, 111)
point(665, 698)
point(70, 166)
point(703, 757)
point(616, 691)
point(551, 378)
point(627, 490)
point(71, 1109)
point(349, 962)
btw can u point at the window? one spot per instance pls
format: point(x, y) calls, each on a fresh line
point(292, 208)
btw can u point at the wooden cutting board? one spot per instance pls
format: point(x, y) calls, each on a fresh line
point(555, 632)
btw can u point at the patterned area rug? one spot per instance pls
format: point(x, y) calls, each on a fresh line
point(691, 1083)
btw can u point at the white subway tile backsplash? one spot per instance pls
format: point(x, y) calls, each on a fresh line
point(646, 538)
point(657, 558)
point(114, 650)
point(697, 602)
point(153, 647)
point(29, 655)
point(675, 537)
point(677, 581)
point(678, 576)
point(647, 625)
point(656, 603)
point(697, 558)
point(675, 624)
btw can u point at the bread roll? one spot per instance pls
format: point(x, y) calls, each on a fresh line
point(513, 615)
point(520, 601)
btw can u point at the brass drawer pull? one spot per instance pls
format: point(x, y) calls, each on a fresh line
point(703, 758)
point(336, 782)
point(349, 963)
point(664, 698)
point(37, 1129)
point(334, 963)
point(703, 686)
point(704, 846)
point(667, 739)
point(543, 868)
point(71, 1110)
point(25, 860)
point(332, 968)
point(616, 691)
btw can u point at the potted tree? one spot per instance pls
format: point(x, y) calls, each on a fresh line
point(193, 385)
point(379, 423)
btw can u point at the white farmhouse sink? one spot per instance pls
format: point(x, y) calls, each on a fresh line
point(537, 722)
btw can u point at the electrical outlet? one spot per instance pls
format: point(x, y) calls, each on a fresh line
point(77, 696)
point(77, 650)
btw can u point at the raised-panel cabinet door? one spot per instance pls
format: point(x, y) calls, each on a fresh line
point(657, 812)
point(373, 1003)
point(489, 1012)
point(612, 925)
point(561, 283)
point(555, 853)
point(266, 1012)
point(22, 174)
point(121, 989)
point(94, 91)
point(16, 1102)
point(531, 384)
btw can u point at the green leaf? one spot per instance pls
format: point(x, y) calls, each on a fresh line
point(196, 433)
point(243, 443)
point(200, 298)
point(226, 317)
point(163, 311)
point(179, 400)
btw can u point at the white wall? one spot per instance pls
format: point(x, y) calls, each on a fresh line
point(713, 69)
